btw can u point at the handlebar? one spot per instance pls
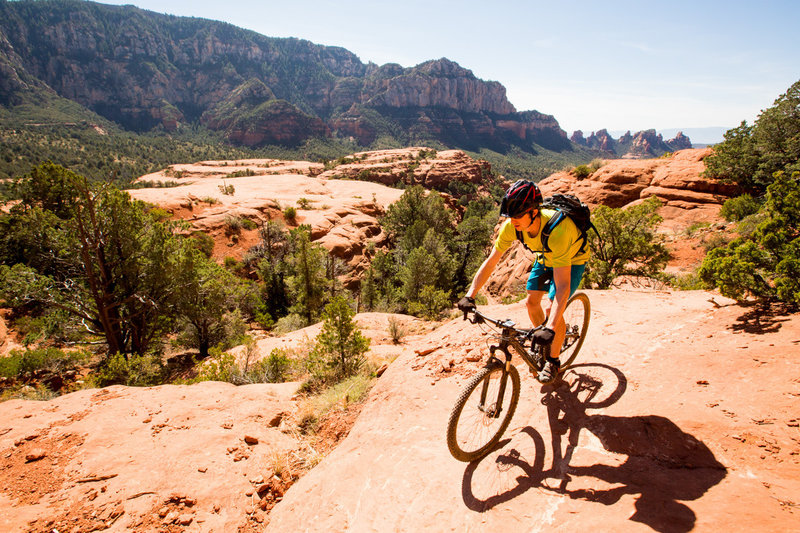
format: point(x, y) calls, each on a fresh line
point(479, 318)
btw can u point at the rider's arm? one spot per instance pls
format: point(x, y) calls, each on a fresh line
point(562, 279)
point(484, 271)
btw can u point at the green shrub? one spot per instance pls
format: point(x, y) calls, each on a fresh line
point(748, 225)
point(220, 366)
point(290, 214)
point(687, 282)
point(39, 393)
point(22, 364)
point(223, 366)
point(242, 173)
point(134, 370)
point(53, 325)
point(736, 209)
point(323, 401)
point(627, 244)
point(231, 263)
point(426, 154)
point(368, 175)
point(582, 171)
point(233, 224)
point(714, 240)
point(228, 190)
point(695, 227)
point(276, 368)
point(396, 330)
point(432, 302)
point(515, 296)
point(225, 333)
point(340, 346)
point(263, 318)
point(203, 242)
point(304, 203)
point(159, 214)
point(289, 323)
point(765, 264)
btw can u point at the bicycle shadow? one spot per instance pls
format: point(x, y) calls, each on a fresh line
point(664, 464)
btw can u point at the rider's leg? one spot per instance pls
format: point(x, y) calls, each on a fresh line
point(576, 274)
point(534, 305)
point(560, 330)
point(539, 282)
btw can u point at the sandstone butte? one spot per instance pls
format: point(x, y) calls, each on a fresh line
point(682, 414)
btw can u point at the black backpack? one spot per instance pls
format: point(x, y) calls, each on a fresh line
point(566, 205)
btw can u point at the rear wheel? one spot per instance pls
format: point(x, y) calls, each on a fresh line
point(576, 315)
point(479, 417)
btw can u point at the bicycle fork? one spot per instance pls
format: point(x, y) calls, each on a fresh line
point(495, 410)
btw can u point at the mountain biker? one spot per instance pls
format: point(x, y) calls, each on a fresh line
point(557, 272)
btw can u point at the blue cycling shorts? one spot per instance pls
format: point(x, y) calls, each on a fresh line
point(541, 279)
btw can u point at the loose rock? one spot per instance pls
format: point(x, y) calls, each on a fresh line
point(35, 455)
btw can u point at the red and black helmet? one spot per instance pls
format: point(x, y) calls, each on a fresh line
point(520, 198)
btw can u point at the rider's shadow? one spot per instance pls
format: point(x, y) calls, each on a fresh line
point(664, 464)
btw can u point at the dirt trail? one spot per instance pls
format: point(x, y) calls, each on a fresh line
point(683, 416)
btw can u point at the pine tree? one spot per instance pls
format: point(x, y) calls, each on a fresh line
point(340, 344)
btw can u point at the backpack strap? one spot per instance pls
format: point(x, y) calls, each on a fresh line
point(521, 239)
point(548, 228)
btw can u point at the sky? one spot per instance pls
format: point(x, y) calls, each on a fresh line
point(618, 64)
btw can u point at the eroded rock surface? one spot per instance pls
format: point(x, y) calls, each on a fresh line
point(680, 416)
point(341, 204)
point(677, 180)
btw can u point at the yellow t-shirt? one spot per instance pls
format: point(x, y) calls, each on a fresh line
point(565, 241)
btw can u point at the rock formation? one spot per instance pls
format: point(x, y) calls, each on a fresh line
point(602, 141)
point(144, 70)
point(641, 145)
point(679, 142)
point(342, 213)
point(677, 180)
point(686, 195)
point(412, 166)
point(443, 83)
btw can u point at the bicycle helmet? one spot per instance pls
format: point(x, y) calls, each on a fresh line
point(520, 198)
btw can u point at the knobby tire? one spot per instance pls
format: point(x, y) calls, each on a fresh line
point(576, 313)
point(471, 433)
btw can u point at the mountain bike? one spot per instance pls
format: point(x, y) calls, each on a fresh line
point(486, 405)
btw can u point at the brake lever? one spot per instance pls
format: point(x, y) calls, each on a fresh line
point(476, 318)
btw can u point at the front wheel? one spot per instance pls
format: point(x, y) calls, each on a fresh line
point(481, 415)
point(576, 315)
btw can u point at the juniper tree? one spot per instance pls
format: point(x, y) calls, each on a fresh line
point(102, 257)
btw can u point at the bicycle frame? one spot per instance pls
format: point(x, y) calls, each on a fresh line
point(509, 337)
point(472, 430)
